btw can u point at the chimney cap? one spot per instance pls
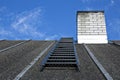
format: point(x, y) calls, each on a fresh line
point(95, 11)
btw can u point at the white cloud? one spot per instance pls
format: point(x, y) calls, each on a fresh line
point(88, 8)
point(4, 32)
point(24, 24)
point(27, 17)
point(110, 4)
point(53, 37)
point(27, 23)
point(85, 1)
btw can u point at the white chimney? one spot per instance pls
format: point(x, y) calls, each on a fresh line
point(91, 27)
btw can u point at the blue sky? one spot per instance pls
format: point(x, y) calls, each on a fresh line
point(52, 19)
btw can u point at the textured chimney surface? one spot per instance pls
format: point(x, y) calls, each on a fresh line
point(91, 27)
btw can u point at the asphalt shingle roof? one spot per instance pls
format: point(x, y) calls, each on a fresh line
point(14, 60)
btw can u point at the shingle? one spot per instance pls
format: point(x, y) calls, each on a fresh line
point(88, 70)
point(14, 61)
point(108, 55)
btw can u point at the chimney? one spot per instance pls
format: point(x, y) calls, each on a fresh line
point(91, 27)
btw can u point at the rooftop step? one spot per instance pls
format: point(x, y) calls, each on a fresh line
point(63, 55)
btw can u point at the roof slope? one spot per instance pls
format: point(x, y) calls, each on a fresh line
point(14, 60)
point(88, 70)
point(109, 56)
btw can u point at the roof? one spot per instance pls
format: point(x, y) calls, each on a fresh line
point(15, 59)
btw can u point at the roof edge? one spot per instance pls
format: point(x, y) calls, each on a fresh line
point(94, 11)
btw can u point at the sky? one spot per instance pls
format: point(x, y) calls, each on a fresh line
point(52, 19)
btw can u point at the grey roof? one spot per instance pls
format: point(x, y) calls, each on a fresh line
point(14, 60)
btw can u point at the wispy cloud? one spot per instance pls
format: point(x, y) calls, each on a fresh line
point(85, 1)
point(25, 25)
point(110, 4)
point(53, 37)
point(4, 33)
point(89, 8)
